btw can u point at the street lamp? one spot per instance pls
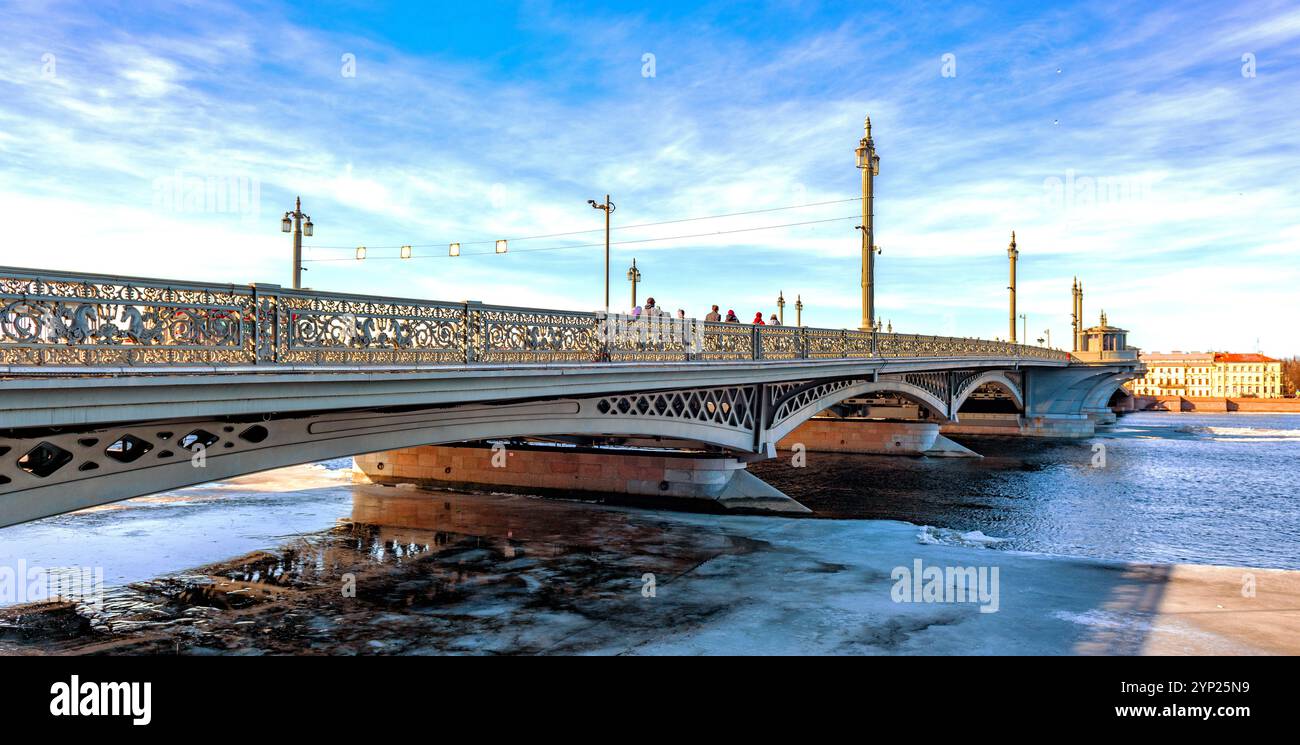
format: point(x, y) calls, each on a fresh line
point(1024, 323)
point(869, 163)
point(294, 221)
point(633, 276)
point(780, 306)
point(406, 252)
point(501, 246)
point(453, 249)
point(798, 310)
point(608, 208)
point(1048, 332)
point(361, 252)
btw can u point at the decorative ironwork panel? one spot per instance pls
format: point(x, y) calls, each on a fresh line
point(800, 395)
point(658, 339)
point(732, 406)
point(727, 341)
point(961, 381)
point(526, 335)
point(348, 330)
point(934, 383)
point(859, 344)
point(65, 320)
point(780, 343)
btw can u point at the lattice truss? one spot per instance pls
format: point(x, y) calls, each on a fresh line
point(732, 406)
point(47, 458)
point(790, 398)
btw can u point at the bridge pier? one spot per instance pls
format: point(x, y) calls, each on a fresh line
point(874, 437)
point(562, 471)
point(1064, 426)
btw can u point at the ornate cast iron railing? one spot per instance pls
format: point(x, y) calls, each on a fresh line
point(65, 320)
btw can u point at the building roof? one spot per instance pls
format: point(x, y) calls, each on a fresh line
point(1233, 357)
point(1177, 357)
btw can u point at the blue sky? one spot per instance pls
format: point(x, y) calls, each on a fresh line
point(1132, 148)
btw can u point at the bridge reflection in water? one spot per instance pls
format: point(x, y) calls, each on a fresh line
point(116, 387)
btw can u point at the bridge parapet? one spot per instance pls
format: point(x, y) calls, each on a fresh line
point(54, 321)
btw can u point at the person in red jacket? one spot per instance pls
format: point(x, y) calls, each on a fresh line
point(758, 319)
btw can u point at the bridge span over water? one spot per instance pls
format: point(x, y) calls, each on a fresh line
point(115, 387)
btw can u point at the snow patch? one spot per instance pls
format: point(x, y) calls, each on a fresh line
point(948, 537)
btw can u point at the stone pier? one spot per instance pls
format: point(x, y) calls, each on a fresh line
point(1014, 425)
point(561, 471)
point(874, 436)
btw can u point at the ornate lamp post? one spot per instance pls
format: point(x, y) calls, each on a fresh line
point(798, 310)
point(608, 208)
point(633, 276)
point(1012, 254)
point(869, 164)
point(780, 306)
point(294, 221)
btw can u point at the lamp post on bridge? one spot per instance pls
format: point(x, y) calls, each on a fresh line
point(1024, 325)
point(294, 220)
point(608, 208)
point(780, 306)
point(1012, 255)
point(798, 310)
point(869, 164)
point(633, 276)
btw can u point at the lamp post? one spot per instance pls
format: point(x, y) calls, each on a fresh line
point(608, 208)
point(1024, 323)
point(780, 306)
point(869, 164)
point(633, 276)
point(1048, 332)
point(1012, 254)
point(798, 310)
point(294, 221)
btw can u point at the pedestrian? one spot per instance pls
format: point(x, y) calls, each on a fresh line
point(773, 321)
point(713, 315)
point(650, 309)
point(758, 319)
point(681, 314)
point(731, 317)
point(636, 313)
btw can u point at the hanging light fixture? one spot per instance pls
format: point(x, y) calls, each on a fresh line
point(501, 246)
point(361, 252)
point(453, 249)
point(406, 252)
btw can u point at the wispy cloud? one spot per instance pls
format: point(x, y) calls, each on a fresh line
point(1181, 212)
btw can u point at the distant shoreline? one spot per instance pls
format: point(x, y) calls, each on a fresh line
point(1230, 405)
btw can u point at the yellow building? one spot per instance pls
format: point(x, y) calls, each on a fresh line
point(1209, 375)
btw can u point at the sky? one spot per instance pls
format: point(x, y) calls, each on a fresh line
point(1153, 152)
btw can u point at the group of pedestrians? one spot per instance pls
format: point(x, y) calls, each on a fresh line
point(651, 310)
point(716, 317)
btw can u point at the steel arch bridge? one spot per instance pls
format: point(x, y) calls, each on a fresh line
point(113, 386)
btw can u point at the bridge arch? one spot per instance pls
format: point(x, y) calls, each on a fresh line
point(801, 404)
point(998, 378)
point(1100, 394)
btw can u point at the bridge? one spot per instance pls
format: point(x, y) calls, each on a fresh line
point(116, 387)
